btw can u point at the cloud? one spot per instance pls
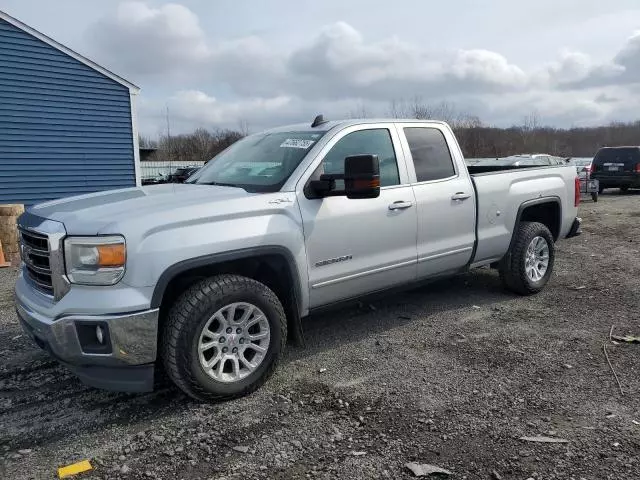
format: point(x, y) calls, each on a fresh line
point(198, 107)
point(570, 67)
point(605, 98)
point(338, 63)
point(339, 71)
point(248, 66)
point(143, 40)
point(622, 69)
point(629, 59)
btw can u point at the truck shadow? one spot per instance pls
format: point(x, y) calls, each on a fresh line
point(369, 318)
point(42, 403)
point(615, 192)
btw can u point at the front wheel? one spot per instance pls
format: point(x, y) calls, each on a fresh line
point(223, 337)
point(594, 196)
point(528, 265)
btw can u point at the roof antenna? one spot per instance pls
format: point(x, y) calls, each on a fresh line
point(319, 120)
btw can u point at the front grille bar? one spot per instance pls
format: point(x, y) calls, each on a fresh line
point(41, 250)
point(36, 260)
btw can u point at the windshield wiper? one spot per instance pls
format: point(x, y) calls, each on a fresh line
point(220, 184)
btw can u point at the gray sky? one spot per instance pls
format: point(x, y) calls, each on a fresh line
point(263, 63)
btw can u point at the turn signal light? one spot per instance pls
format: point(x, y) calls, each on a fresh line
point(111, 255)
point(366, 183)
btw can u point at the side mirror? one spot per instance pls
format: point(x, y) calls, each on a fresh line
point(362, 176)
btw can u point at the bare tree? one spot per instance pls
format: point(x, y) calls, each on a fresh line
point(395, 110)
point(199, 146)
point(529, 130)
point(359, 111)
point(476, 138)
point(243, 127)
point(146, 142)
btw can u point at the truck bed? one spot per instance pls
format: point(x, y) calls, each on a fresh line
point(477, 170)
point(501, 190)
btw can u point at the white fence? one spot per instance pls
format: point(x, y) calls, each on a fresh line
point(155, 169)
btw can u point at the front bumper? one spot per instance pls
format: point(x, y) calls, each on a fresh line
point(576, 228)
point(124, 364)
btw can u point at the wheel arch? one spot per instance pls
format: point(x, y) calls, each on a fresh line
point(274, 266)
point(545, 210)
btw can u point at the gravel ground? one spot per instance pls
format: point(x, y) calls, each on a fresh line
point(452, 374)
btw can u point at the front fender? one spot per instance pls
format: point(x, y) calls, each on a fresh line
point(217, 258)
point(159, 250)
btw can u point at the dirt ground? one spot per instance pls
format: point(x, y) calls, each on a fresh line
point(452, 374)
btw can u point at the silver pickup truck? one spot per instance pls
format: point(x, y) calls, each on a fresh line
point(210, 278)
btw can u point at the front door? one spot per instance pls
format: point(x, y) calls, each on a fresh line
point(360, 246)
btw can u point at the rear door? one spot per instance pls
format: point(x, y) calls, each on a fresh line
point(445, 198)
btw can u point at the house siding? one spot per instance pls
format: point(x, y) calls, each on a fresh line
point(65, 128)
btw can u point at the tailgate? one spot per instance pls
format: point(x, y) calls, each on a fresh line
point(616, 161)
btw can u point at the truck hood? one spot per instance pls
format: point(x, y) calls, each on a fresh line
point(102, 212)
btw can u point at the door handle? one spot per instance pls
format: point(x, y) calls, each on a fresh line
point(461, 196)
point(400, 205)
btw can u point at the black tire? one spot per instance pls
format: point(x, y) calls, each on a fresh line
point(594, 196)
point(189, 315)
point(512, 267)
point(600, 190)
point(624, 189)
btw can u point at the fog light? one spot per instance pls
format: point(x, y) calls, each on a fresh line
point(100, 334)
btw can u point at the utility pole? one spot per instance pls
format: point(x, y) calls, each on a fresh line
point(169, 143)
point(168, 123)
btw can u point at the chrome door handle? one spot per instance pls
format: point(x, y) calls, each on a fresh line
point(461, 196)
point(400, 205)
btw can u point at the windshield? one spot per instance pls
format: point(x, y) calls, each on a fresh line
point(259, 163)
point(581, 162)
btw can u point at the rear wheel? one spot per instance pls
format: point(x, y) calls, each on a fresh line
point(223, 337)
point(594, 196)
point(600, 189)
point(527, 267)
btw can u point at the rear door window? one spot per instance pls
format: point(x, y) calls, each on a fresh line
point(430, 153)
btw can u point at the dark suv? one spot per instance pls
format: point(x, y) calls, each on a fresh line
point(617, 167)
point(181, 174)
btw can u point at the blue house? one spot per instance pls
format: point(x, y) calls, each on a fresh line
point(67, 125)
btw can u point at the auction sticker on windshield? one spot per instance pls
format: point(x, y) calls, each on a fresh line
point(297, 143)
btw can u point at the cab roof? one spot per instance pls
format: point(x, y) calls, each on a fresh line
point(330, 124)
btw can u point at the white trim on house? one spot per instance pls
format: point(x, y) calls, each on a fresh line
point(134, 132)
point(41, 36)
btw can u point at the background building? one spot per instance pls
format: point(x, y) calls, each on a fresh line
point(67, 125)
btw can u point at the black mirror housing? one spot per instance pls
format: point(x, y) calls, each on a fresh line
point(361, 180)
point(362, 176)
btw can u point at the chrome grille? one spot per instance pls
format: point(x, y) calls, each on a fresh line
point(36, 255)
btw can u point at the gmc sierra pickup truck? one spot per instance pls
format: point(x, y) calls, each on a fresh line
point(209, 278)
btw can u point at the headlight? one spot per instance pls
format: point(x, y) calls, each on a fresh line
point(95, 260)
